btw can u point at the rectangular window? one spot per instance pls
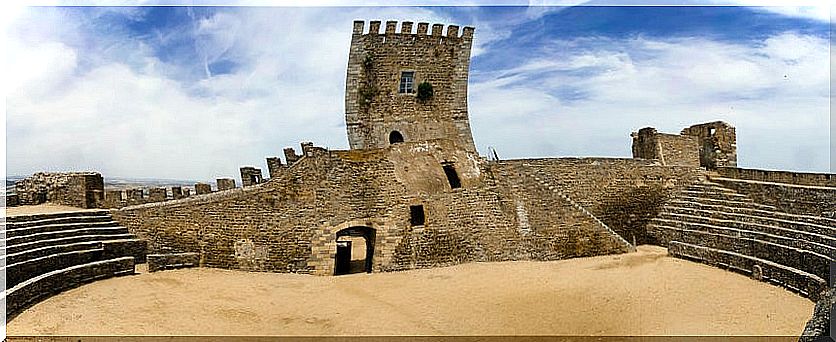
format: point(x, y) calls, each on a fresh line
point(416, 215)
point(407, 80)
point(452, 176)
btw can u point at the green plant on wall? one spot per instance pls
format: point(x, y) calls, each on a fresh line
point(368, 90)
point(425, 91)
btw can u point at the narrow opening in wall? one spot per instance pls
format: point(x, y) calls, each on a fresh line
point(395, 137)
point(452, 176)
point(711, 131)
point(416, 215)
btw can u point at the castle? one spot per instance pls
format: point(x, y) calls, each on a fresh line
point(413, 192)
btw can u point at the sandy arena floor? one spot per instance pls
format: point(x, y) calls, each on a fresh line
point(644, 293)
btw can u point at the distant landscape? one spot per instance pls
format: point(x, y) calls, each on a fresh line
point(118, 183)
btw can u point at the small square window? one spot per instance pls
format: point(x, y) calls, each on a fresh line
point(416, 215)
point(407, 81)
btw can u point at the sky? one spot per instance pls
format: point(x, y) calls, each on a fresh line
point(194, 93)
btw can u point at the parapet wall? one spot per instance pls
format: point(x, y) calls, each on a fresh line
point(787, 177)
point(791, 192)
point(77, 189)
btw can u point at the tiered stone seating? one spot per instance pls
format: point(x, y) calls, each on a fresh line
point(722, 227)
point(45, 254)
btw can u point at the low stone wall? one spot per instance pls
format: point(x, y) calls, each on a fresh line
point(790, 198)
point(788, 177)
point(159, 262)
point(804, 283)
point(132, 247)
point(33, 290)
point(820, 324)
point(77, 189)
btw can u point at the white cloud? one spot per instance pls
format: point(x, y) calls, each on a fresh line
point(774, 92)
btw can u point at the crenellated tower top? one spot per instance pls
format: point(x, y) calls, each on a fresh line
point(391, 75)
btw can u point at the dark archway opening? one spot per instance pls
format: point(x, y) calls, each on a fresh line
point(355, 250)
point(395, 137)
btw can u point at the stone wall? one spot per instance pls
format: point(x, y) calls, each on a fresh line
point(250, 176)
point(225, 184)
point(77, 189)
point(623, 193)
point(820, 324)
point(668, 149)
point(375, 107)
point(158, 262)
point(718, 143)
point(790, 198)
point(290, 223)
point(787, 177)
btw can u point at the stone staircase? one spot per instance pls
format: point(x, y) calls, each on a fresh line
point(45, 254)
point(710, 223)
point(540, 176)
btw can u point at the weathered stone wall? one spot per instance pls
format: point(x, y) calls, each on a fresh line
point(158, 262)
point(668, 149)
point(718, 143)
point(787, 177)
point(225, 184)
point(77, 189)
point(623, 193)
point(375, 107)
point(791, 198)
point(250, 176)
point(819, 325)
point(289, 223)
point(274, 166)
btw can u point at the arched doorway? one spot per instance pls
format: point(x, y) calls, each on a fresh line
point(355, 250)
point(395, 137)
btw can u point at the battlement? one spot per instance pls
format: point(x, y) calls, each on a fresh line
point(406, 28)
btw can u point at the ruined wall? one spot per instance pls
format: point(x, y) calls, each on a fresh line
point(668, 149)
point(718, 143)
point(788, 177)
point(375, 107)
point(623, 193)
point(77, 189)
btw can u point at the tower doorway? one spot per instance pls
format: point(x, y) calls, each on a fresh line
point(355, 250)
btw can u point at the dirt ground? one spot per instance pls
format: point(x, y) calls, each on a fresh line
point(643, 293)
point(40, 209)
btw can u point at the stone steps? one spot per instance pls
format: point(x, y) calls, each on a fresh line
point(19, 272)
point(50, 235)
point(16, 232)
point(741, 241)
point(796, 258)
point(712, 201)
point(816, 220)
point(46, 216)
point(64, 240)
point(47, 253)
point(743, 222)
point(102, 217)
point(48, 250)
point(804, 283)
point(34, 289)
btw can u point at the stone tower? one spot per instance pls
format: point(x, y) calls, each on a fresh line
point(385, 70)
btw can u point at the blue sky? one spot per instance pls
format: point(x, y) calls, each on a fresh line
point(194, 93)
